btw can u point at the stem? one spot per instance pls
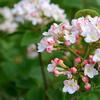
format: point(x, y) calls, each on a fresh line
point(87, 52)
point(17, 97)
point(43, 74)
point(74, 53)
point(64, 97)
point(97, 87)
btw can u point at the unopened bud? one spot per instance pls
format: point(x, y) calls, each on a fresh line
point(87, 86)
point(73, 70)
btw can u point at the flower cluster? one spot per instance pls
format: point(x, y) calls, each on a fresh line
point(81, 41)
point(7, 22)
point(38, 11)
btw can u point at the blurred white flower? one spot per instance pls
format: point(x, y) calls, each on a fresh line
point(96, 56)
point(8, 25)
point(70, 86)
point(38, 11)
point(53, 11)
point(31, 51)
point(90, 71)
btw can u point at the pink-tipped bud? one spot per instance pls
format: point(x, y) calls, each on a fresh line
point(78, 60)
point(98, 68)
point(85, 62)
point(56, 72)
point(73, 70)
point(91, 61)
point(87, 87)
point(58, 61)
point(64, 26)
point(49, 49)
point(85, 79)
point(67, 43)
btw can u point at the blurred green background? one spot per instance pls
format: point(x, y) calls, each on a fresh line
point(20, 77)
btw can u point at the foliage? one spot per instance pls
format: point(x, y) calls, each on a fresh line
point(20, 77)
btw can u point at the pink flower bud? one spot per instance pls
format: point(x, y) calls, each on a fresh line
point(58, 61)
point(56, 72)
point(91, 61)
point(78, 59)
point(87, 86)
point(67, 43)
point(49, 49)
point(64, 26)
point(51, 41)
point(73, 70)
point(85, 79)
point(86, 62)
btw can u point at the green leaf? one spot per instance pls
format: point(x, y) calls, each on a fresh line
point(73, 3)
point(10, 70)
point(25, 83)
point(85, 12)
point(88, 96)
point(30, 37)
point(54, 94)
point(35, 93)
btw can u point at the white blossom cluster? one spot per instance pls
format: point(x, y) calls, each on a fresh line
point(86, 27)
point(38, 11)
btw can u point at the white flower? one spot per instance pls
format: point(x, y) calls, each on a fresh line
point(70, 86)
point(31, 51)
point(8, 25)
point(96, 56)
point(51, 67)
point(41, 47)
point(47, 44)
point(87, 27)
point(90, 32)
point(95, 22)
point(60, 31)
point(71, 38)
point(90, 71)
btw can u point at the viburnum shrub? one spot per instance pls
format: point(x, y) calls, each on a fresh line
point(79, 40)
